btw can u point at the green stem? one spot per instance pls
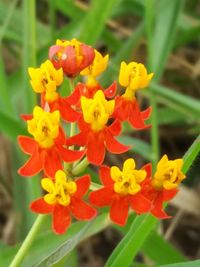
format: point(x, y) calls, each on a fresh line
point(22, 252)
point(80, 167)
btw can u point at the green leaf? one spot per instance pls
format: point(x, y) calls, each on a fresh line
point(97, 16)
point(137, 146)
point(10, 126)
point(195, 263)
point(47, 242)
point(161, 251)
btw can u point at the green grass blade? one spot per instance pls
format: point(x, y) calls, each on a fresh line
point(10, 126)
point(97, 16)
point(195, 263)
point(161, 251)
point(29, 51)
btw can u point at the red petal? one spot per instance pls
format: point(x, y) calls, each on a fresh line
point(113, 145)
point(40, 206)
point(157, 210)
point(70, 155)
point(140, 204)
point(52, 162)
point(169, 194)
point(27, 144)
point(115, 128)
point(135, 117)
point(102, 197)
point(26, 117)
point(67, 113)
point(75, 96)
point(69, 65)
point(61, 219)
point(146, 113)
point(159, 213)
point(32, 166)
point(83, 184)
point(119, 210)
point(79, 139)
point(61, 139)
point(105, 177)
point(111, 90)
point(122, 108)
point(88, 55)
point(95, 148)
point(148, 169)
point(81, 210)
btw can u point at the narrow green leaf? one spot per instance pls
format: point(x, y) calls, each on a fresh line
point(10, 126)
point(195, 263)
point(97, 16)
point(137, 146)
point(160, 250)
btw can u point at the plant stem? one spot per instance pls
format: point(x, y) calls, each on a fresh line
point(28, 241)
point(80, 167)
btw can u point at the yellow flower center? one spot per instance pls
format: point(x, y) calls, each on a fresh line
point(44, 126)
point(46, 79)
point(128, 180)
point(60, 191)
point(168, 174)
point(97, 111)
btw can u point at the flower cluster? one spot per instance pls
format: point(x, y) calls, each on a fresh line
point(95, 115)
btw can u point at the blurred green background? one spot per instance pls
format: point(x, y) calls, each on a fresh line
point(164, 35)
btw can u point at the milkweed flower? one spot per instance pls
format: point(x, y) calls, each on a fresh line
point(47, 148)
point(133, 76)
point(122, 189)
point(98, 66)
point(46, 79)
point(72, 56)
point(94, 134)
point(64, 199)
point(163, 186)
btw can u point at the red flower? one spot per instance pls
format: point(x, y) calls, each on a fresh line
point(50, 159)
point(82, 89)
point(72, 56)
point(128, 110)
point(156, 196)
point(121, 190)
point(96, 143)
point(47, 149)
point(64, 199)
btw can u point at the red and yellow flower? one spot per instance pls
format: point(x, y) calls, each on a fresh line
point(163, 186)
point(122, 189)
point(72, 56)
point(63, 199)
point(47, 149)
point(133, 76)
point(94, 134)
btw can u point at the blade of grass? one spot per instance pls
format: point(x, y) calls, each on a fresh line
point(161, 251)
point(142, 226)
point(195, 263)
point(29, 51)
point(4, 92)
point(95, 21)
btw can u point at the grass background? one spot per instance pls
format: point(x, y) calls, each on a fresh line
point(162, 34)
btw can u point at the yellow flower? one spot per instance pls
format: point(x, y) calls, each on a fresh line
point(133, 76)
point(128, 180)
point(97, 111)
point(46, 79)
point(44, 126)
point(98, 65)
point(168, 174)
point(60, 190)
